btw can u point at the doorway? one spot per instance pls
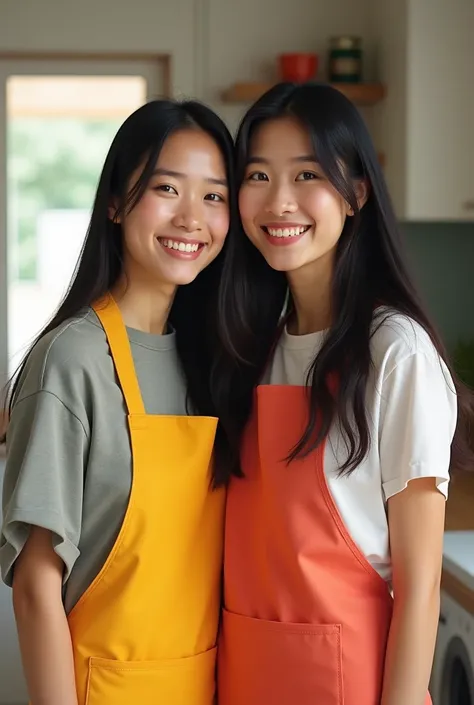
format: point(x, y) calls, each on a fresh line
point(58, 116)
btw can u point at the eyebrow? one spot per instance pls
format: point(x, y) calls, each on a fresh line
point(180, 175)
point(302, 158)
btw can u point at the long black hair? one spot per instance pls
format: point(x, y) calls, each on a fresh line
point(370, 271)
point(194, 310)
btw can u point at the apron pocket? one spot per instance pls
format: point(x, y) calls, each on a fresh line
point(183, 681)
point(279, 663)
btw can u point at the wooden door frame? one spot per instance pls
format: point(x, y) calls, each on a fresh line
point(159, 58)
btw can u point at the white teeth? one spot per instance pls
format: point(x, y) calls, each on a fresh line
point(287, 232)
point(181, 246)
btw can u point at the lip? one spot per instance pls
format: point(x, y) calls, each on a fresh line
point(281, 225)
point(178, 254)
point(284, 241)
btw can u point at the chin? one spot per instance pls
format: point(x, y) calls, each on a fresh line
point(280, 264)
point(183, 279)
point(175, 273)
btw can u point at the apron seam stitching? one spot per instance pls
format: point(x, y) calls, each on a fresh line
point(336, 517)
point(110, 559)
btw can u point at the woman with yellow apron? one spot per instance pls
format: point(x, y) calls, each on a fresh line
point(113, 511)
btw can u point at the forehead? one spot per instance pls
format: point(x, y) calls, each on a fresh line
point(192, 151)
point(282, 138)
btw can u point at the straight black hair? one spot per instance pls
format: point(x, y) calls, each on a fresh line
point(370, 271)
point(194, 311)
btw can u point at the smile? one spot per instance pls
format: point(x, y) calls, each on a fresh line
point(183, 249)
point(288, 235)
point(293, 231)
point(180, 245)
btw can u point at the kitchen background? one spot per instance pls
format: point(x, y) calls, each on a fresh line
point(417, 58)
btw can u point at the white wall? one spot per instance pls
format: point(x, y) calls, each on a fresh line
point(213, 43)
point(89, 26)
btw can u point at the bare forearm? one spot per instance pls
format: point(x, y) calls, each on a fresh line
point(410, 650)
point(45, 644)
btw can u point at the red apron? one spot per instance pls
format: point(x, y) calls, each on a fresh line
point(306, 616)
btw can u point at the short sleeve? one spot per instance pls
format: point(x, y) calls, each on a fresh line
point(44, 476)
point(417, 423)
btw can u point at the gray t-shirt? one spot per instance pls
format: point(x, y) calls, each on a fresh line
point(69, 463)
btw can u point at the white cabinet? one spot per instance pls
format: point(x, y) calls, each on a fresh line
point(426, 124)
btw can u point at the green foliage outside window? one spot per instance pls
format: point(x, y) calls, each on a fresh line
point(52, 164)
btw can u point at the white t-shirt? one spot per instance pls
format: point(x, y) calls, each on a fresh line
point(412, 412)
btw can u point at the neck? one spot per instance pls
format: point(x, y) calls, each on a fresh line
point(311, 290)
point(144, 307)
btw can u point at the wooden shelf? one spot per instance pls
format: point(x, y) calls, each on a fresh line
point(358, 93)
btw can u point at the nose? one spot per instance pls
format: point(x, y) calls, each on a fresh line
point(189, 217)
point(281, 201)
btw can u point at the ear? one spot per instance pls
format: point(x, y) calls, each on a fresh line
point(362, 194)
point(112, 213)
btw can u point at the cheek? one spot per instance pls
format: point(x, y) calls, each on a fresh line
point(323, 203)
point(149, 211)
point(219, 223)
point(250, 205)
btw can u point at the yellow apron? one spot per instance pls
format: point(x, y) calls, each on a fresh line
point(145, 630)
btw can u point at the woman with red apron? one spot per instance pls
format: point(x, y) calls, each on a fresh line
point(346, 413)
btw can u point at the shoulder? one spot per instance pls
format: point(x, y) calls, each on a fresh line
point(65, 354)
point(413, 403)
point(413, 384)
point(396, 339)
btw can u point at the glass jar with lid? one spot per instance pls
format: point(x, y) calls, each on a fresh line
point(345, 59)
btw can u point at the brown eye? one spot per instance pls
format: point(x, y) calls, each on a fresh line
point(307, 176)
point(215, 197)
point(166, 188)
point(257, 176)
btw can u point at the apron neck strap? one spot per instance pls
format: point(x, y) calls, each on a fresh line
point(112, 322)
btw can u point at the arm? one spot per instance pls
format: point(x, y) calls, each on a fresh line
point(418, 417)
point(43, 629)
point(42, 498)
point(416, 525)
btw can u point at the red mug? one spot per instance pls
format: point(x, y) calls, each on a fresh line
point(298, 68)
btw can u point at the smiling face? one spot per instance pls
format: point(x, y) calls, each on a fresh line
point(289, 209)
point(180, 224)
